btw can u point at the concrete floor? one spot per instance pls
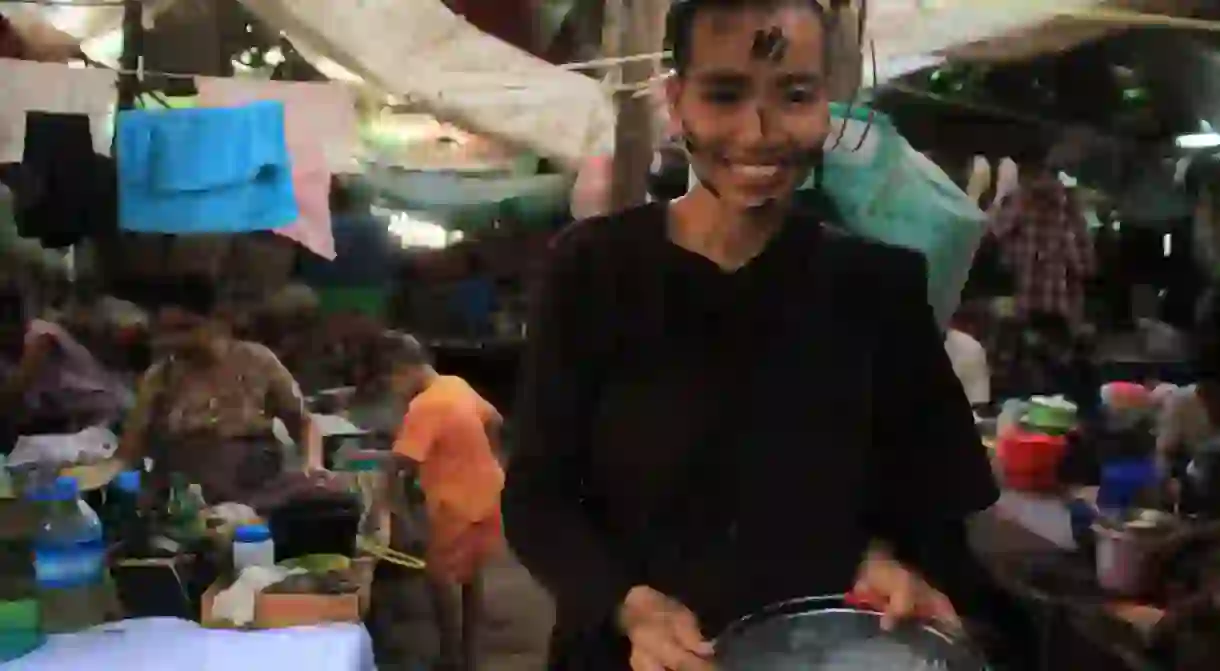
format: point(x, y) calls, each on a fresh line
point(513, 635)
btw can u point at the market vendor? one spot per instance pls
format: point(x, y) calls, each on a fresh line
point(1189, 416)
point(450, 436)
point(207, 406)
point(49, 381)
point(726, 406)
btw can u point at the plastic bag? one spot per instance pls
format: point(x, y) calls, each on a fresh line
point(886, 190)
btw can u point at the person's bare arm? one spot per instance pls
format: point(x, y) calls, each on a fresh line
point(133, 445)
point(416, 437)
point(493, 426)
point(287, 403)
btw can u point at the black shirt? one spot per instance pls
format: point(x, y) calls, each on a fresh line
point(731, 439)
point(63, 191)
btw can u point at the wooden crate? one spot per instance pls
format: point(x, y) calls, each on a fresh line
point(277, 611)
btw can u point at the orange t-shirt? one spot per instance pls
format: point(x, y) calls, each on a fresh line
point(445, 431)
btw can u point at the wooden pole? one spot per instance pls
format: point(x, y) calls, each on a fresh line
point(633, 133)
point(99, 258)
point(133, 51)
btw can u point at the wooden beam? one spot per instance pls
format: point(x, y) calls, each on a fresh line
point(133, 51)
point(633, 133)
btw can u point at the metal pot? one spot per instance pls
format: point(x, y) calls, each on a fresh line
point(825, 632)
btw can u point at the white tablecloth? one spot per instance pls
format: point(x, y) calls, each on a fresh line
point(1044, 515)
point(164, 644)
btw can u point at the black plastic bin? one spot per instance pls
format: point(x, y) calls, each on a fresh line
point(316, 526)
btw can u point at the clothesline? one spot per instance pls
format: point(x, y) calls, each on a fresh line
point(65, 3)
point(1102, 15)
point(142, 72)
point(642, 88)
point(1124, 16)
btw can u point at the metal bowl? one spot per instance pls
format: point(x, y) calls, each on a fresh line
point(826, 634)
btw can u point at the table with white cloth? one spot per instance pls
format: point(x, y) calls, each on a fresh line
point(165, 644)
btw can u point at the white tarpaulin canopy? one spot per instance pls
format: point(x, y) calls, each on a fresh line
point(422, 51)
point(910, 34)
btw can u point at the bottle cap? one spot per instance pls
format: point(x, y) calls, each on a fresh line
point(252, 533)
point(63, 489)
point(128, 482)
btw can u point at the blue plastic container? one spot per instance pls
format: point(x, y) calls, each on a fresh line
point(1122, 482)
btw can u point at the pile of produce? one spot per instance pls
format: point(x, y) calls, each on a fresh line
point(323, 574)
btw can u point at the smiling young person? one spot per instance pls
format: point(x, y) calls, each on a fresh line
point(726, 404)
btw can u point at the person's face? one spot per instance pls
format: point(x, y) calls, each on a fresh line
point(752, 102)
point(178, 331)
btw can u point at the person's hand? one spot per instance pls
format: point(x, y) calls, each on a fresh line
point(899, 593)
point(319, 476)
point(664, 634)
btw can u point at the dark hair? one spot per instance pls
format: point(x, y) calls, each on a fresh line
point(399, 349)
point(680, 20)
point(193, 294)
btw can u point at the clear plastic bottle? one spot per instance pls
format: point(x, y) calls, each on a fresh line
point(69, 560)
point(252, 546)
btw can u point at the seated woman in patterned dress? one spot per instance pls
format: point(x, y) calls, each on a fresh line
point(207, 406)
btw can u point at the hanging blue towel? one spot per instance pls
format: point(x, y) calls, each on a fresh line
point(222, 170)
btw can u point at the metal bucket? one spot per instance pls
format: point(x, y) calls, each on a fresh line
point(1125, 550)
point(825, 633)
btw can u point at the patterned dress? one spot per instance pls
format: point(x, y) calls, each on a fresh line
point(214, 422)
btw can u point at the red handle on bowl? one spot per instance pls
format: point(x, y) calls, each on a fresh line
point(866, 600)
point(863, 599)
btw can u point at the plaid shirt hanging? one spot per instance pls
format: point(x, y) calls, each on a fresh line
point(1045, 241)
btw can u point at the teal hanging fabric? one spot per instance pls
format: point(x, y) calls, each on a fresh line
point(886, 190)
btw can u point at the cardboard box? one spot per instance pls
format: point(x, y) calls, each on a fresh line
point(277, 611)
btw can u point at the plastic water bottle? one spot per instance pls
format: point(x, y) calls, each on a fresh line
point(69, 560)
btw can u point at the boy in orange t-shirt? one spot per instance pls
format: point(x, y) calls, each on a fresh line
point(451, 434)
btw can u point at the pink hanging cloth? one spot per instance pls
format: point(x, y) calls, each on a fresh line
point(320, 129)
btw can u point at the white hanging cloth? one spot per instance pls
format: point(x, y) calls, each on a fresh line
point(59, 89)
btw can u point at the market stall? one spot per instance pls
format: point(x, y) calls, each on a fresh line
point(466, 202)
point(1111, 558)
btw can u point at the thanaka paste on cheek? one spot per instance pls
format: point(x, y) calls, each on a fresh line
point(692, 145)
